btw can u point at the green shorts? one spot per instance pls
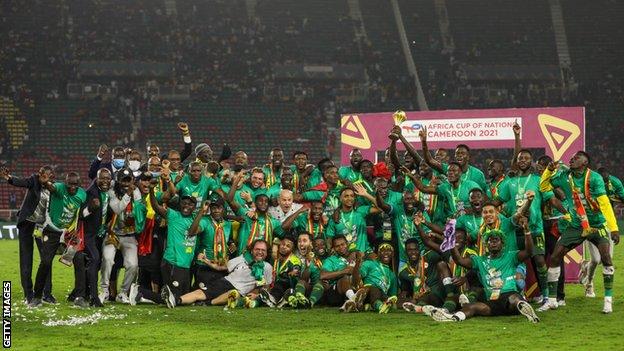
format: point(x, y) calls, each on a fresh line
point(539, 247)
point(572, 237)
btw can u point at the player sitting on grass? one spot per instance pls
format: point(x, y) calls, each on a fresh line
point(497, 269)
point(247, 274)
point(380, 286)
point(309, 289)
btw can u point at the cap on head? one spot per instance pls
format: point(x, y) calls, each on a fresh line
point(124, 174)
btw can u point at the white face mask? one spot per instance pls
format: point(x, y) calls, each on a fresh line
point(134, 165)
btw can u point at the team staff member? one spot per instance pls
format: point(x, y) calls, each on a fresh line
point(31, 216)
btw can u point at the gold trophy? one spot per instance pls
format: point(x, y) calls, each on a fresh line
point(398, 117)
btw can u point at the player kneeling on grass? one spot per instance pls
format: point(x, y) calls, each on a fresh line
point(497, 271)
point(380, 282)
point(309, 289)
point(247, 274)
point(339, 273)
point(286, 271)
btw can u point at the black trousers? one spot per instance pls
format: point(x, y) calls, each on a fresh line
point(149, 266)
point(204, 276)
point(86, 266)
point(178, 279)
point(26, 239)
point(48, 249)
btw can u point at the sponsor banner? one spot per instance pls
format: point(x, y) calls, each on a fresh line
point(560, 130)
point(473, 129)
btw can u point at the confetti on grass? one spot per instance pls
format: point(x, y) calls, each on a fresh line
point(78, 320)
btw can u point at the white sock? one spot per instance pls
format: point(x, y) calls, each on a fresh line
point(460, 315)
point(350, 294)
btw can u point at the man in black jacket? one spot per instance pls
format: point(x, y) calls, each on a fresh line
point(31, 216)
point(117, 162)
point(87, 261)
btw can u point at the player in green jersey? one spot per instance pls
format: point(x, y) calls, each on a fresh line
point(592, 219)
point(380, 286)
point(351, 173)
point(340, 274)
point(496, 271)
point(309, 289)
point(286, 274)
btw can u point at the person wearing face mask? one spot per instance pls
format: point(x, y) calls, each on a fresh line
point(86, 262)
point(117, 162)
point(155, 167)
point(66, 199)
point(134, 163)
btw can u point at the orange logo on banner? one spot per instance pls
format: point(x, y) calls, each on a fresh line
point(356, 135)
point(559, 133)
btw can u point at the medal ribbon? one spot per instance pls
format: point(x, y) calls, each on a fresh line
point(315, 233)
point(268, 231)
point(219, 247)
point(494, 189)
point(578, 204)
point(277, 268)
point(296, 180)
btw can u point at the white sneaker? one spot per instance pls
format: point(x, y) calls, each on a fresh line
point(427, 310)
point(103, 296)
point(608, 304)
point(409, 306)
point(442, 315)
point(537, 300)
point(561, 303)
point(123, 298)
point(463, 300)
point(550, 304)
point(134, 292)
point(589, 290)
point(526, 310)
point(348, 306)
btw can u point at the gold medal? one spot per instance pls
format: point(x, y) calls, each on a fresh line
point(349, 237)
